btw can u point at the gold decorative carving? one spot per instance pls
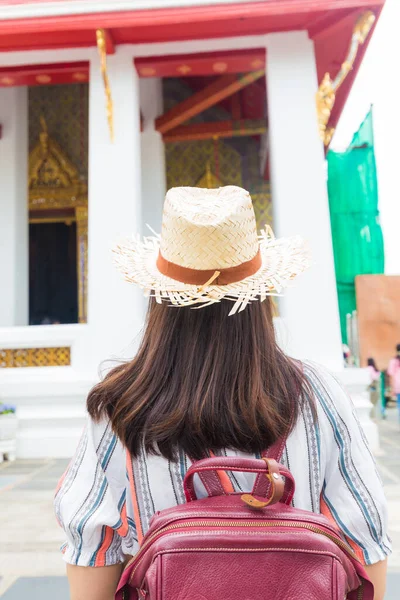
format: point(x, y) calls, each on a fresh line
point(147, 72)
point(11, 358)
point(62, 219)
point(53, 180)
point(7, 80)
point(184, 69)
point(101, 45)
point(326, 95)
point(66, 110)
point(187, 162)
point(43, 79)
point(82, 266)
point(220, 67)
point(80, 76)
point(209, 180)
point(54, 184)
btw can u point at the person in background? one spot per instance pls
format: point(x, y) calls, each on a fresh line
point(374, 386)
point(387, 393)
point(394, 374)
point(346, 355)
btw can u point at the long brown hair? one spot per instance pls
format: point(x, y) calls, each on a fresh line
point(202, 381)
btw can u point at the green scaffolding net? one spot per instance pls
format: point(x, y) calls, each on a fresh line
point(356, 231)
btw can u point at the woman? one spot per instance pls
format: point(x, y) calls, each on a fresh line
point(204, 382)
point(374, 386)
point(394, 374)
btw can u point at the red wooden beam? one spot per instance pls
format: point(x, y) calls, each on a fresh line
point(236, 107)
point(178, 17)
point(210, 63)
point(330, 25)
point(33, 75)
point(222, 88)
point(219, 129)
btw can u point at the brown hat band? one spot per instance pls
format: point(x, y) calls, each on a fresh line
point(214, 276)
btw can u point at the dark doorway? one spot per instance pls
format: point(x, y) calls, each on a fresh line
point(53, 295)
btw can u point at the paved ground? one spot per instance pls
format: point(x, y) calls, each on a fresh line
point(30, 564)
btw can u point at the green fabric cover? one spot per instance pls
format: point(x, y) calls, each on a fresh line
point(356, 231)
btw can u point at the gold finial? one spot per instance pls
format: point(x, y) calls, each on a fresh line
point(326, 95)
point(101, 45)
point(209, 177)
point(364, 26)
point(43, 124)
point(44, 136)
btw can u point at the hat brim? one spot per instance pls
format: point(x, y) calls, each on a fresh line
point(282, 260)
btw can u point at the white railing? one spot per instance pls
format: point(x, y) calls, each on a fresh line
point(45, 336)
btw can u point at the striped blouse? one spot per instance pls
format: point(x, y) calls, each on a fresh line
point(105, 500)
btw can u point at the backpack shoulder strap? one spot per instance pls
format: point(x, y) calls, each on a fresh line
point(276, 450)
point(135, 503)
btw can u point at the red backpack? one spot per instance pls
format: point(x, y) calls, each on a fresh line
point(243, 546)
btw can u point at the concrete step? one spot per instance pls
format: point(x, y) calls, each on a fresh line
point(45, 442)
point(50, 408)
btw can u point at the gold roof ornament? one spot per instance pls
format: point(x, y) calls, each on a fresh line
point(101, 46)
point(209, 180)
point(326, 95)
point(53, 181)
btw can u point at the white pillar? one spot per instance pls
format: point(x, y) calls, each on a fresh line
point(153, 155)
point(14, 278)
point(299, 196)
point(114, 306)
point(386, 132)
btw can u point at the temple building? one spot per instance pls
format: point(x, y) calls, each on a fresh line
point(106, 104)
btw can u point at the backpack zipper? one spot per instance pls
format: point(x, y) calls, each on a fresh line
point(360, 594)
point(261, 524)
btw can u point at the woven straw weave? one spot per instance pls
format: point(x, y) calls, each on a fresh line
point(205, 230)
point(216, 228)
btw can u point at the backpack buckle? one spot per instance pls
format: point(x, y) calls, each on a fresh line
point(253, 502)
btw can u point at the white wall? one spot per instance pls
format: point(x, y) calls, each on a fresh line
point(299, 198)
point(14, 280)
point(152, 155)
point(115, 308)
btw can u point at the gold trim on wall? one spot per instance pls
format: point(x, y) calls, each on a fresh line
point(41, 220)
point(55, 184)
point(82, 256)
point(11, 358)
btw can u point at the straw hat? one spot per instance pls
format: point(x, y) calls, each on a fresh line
point(209, 250)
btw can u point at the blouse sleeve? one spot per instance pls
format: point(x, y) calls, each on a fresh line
point(90, 501)
point(352, 494)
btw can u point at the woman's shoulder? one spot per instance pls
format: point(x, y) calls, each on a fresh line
point(103, 446)
point(331, 399)
point(318, 376)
